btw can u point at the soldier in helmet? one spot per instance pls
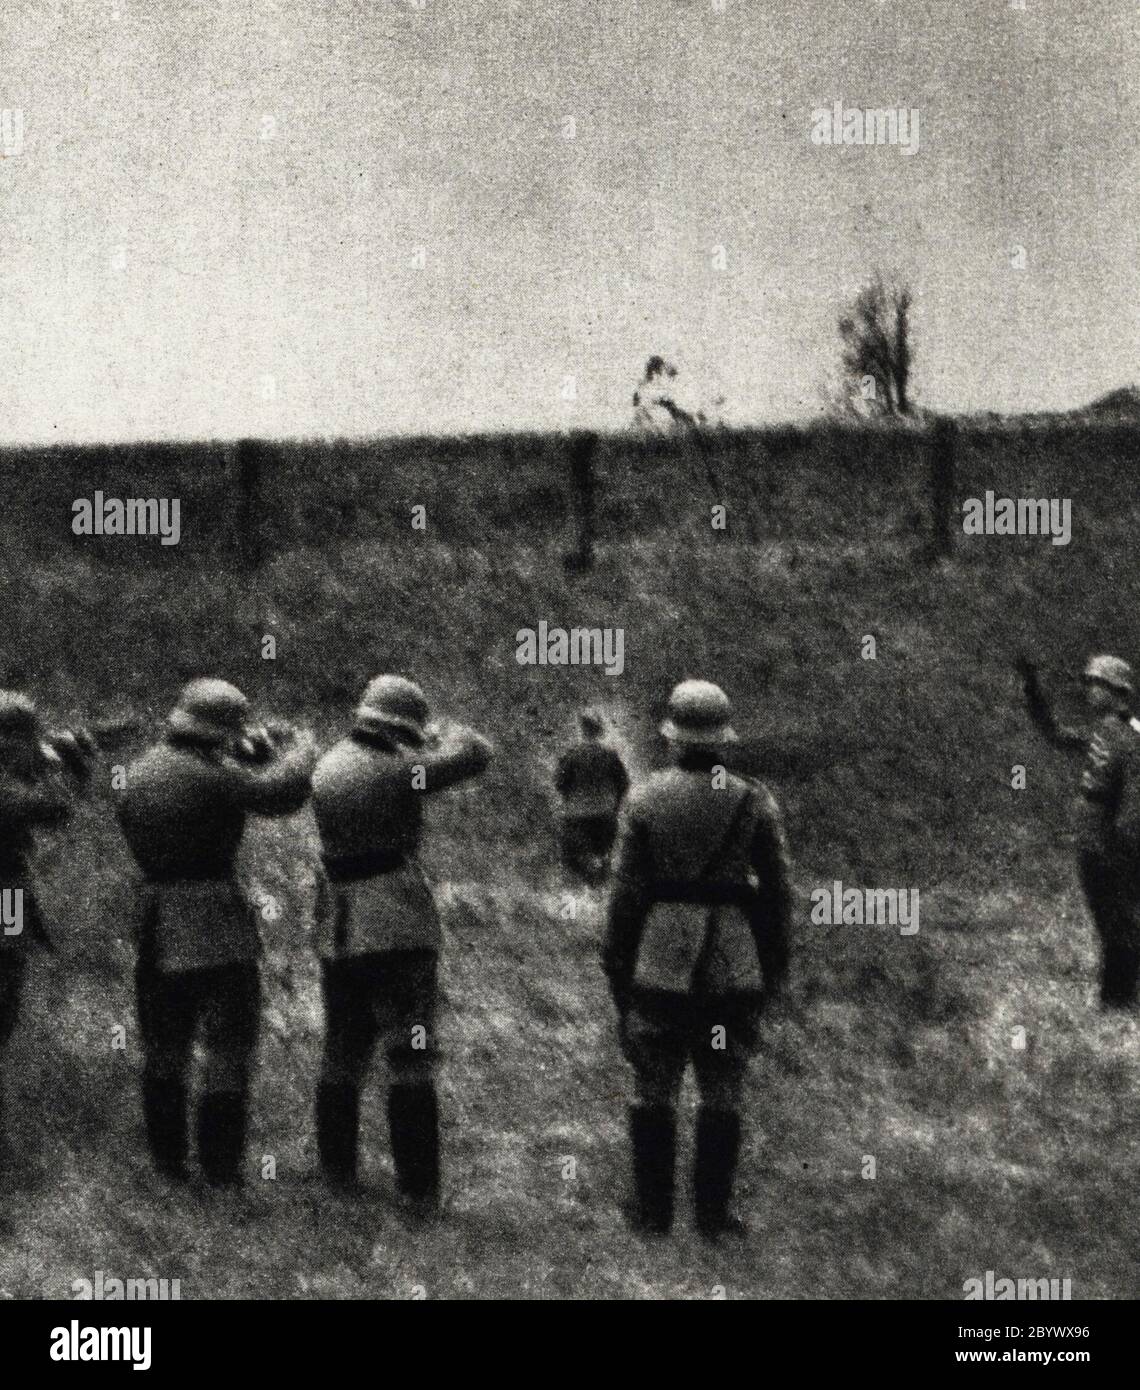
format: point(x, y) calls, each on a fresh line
point(1108, 836)
point(183, 812)
point(697, 937)
point(379, 931)
point(592, 781)
point(40, 774)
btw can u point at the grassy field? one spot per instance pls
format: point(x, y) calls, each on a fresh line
point(893, 772)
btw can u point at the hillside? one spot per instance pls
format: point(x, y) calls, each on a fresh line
point(893, 772)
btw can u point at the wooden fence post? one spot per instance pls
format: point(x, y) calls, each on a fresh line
point(249, 467)
point(583, 449)
point(943, 482)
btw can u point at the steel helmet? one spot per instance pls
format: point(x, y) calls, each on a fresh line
point(699, 714)
point(209, 709)
point(1111, 671)
point(393, 702)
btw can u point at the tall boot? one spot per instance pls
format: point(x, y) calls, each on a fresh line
point(1118, 974)
point(338, 1123)
point(653, 1138)
point(413, 1126)
point(221, 1137)
point(165, 1111)
point(718, 1148)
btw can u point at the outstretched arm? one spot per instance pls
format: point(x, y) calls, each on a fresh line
point(279, 785)
point(1059, 735)
point(463, 754)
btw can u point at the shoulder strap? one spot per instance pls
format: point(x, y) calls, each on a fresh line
point(729, 835)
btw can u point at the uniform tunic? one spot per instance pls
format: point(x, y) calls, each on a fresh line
point(368, 799)
point(698, 929)
point(183, 814)
point(1108, 852)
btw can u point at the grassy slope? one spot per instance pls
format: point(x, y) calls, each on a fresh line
point(893, 773)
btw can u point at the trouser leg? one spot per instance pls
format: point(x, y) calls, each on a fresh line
point(1117, 923)
point(13, 968)
point(655, 1045)
point(349, 1039)
point(413, 1124)
point(167, 1014)
point(653, 1147)
point(717, 1152)
point(1120, 966)
point(165, 1105)
point(724, 1038)
point(407, 1007)
point(232, 1013)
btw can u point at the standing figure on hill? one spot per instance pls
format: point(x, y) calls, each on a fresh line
point(1107, 826)
point(379, 931)
point(40, 775)
point(183, 812)
point(592, 781)
point(697, 940)
point(656, 408)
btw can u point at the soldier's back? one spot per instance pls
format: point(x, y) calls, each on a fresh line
point(687, 814)
point(364, 799)
point(177, 815)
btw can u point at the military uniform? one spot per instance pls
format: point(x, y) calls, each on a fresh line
point(1107, 821)
point(1108, 854)
point(697, 936)
point(183, 813)
point(592, 781)
point(379, 931)
point(35, 793)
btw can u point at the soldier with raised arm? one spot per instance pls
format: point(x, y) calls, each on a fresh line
point(1107, 831)
point(40, 776)
point(379, 931)
point(183, 813)
point(697, 940)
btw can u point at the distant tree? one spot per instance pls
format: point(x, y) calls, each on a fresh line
point(876, 348)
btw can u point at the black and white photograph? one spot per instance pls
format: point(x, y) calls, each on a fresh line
point(569, 667)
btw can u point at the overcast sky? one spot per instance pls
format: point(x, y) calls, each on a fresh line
point(338, 217)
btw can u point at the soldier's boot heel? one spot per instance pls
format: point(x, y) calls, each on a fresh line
point(165, 1111)
point(653, 1140)
point(338, 1125)
point(221, 1137)
point(413, 1126)
point(718, 1149)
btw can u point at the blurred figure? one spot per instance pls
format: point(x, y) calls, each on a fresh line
point(40, 775)
point(183, 813)
point(656, 408)
point(379, 932)
point(592, 781)
point(1108, 839)
point(697, 939)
